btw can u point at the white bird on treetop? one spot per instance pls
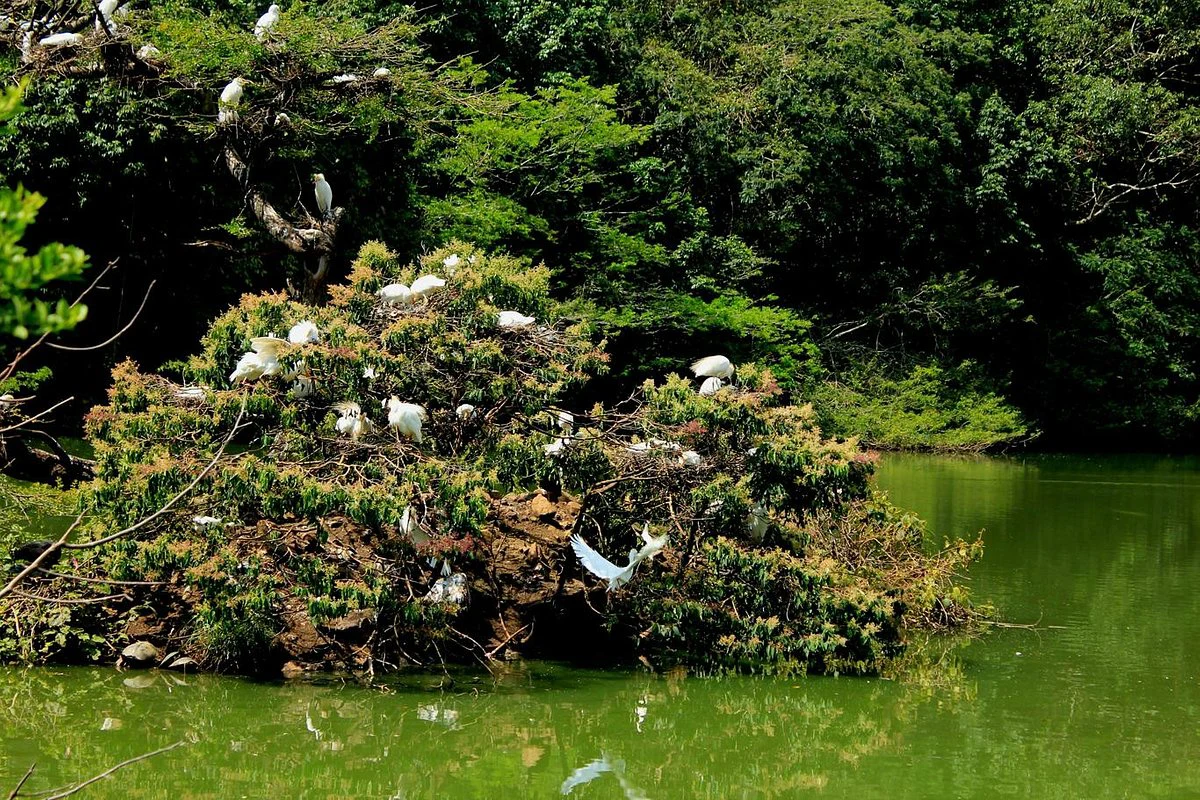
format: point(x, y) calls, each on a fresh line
point(426, 285)
point(60, 39)
point(254, 365)
point(305, 332)
point(604, 569)
point(713, 367)
point(465, 411)
point(352, 421)
point(451, 263)
point(395, 293)
point(382, 72)
point(231, 97)
point(266, 22)
point(711, 386)
point(514, 319)
point(406, 418)
point(323, 192)
point(270, 349)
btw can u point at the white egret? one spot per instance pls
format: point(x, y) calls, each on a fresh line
point(303, 386)
point(426, 285)
point(690, 458)
point(566, 420)
point(711, 386)
point(190, 392)
point(382, 72)
point(231, 97)
point(324, 194)
point(352, 421)
point(604, 569)
point(370, 374)
point(266, 22)
point(757, 521)
point(200, 522)
point(641, 448)
point(406, 418)
point(104, 10)
point(250, 367)
point(7, 399)
point(270, 349)
point(282, 120)
point(305, 332)
point(27, 47)
point(450, 263)
point(348, 77)
point(395, 293)
point(60, 40)
point(514, 319)
point(148, 52)
point(713, 367)
point(450, 589)
point(555, 447)
point(465, 411)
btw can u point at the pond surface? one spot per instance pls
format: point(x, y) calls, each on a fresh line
point(1104, 704)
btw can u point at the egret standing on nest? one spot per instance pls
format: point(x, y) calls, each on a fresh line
point(406, 418)
point(352, 422)
point(324, 194)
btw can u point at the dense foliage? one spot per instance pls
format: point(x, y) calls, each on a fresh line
point(859, 193)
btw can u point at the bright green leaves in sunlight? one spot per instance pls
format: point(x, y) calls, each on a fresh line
point(23, 275)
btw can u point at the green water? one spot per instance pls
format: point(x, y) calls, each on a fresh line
point(1106, 706)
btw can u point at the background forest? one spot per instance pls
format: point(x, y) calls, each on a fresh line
point(947, 224)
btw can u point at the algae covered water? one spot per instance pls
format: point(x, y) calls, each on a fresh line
point(1102, 700)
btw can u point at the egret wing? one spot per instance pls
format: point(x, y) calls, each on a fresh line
point(597, 564)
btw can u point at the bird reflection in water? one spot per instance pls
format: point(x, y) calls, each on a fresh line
point(594, 769)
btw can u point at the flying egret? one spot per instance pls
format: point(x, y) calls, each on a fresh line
point(395, 293)
point(690, 458)
point(604, 569)
point(514, 319)
point(713, 367)
point(231, 97)
point(352, 421)
point(426, 285)
point(305, 332)
point(324, 194)
point(382, 72)
point(758, 522)
point(266, 22)
point(465, 411)
point(104, 10)
point(60, 39)
point(406, 418)
point(711, 386)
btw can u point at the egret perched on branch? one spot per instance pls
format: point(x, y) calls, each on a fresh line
point(395, 293)
point(104, 10)
point(266, 22)
point(148, 52)
point(324, 194)
point(426, 285)
point(348, 77)
point(451, 263)
point(369, 373)
point(555, 447)
point(305, 332)
point(514, 319)
point(642, 448)
point(352, 421)
point(604, 569)
point(263, 360)
point(713, 367)
point(690, 458)
point(382, 72)
point(566, 420)
point(406, 418)
point(711, 386)
point(60, 39)
point(187, 393)
point(465, 411)
point(758, 522)
point(231, 97)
